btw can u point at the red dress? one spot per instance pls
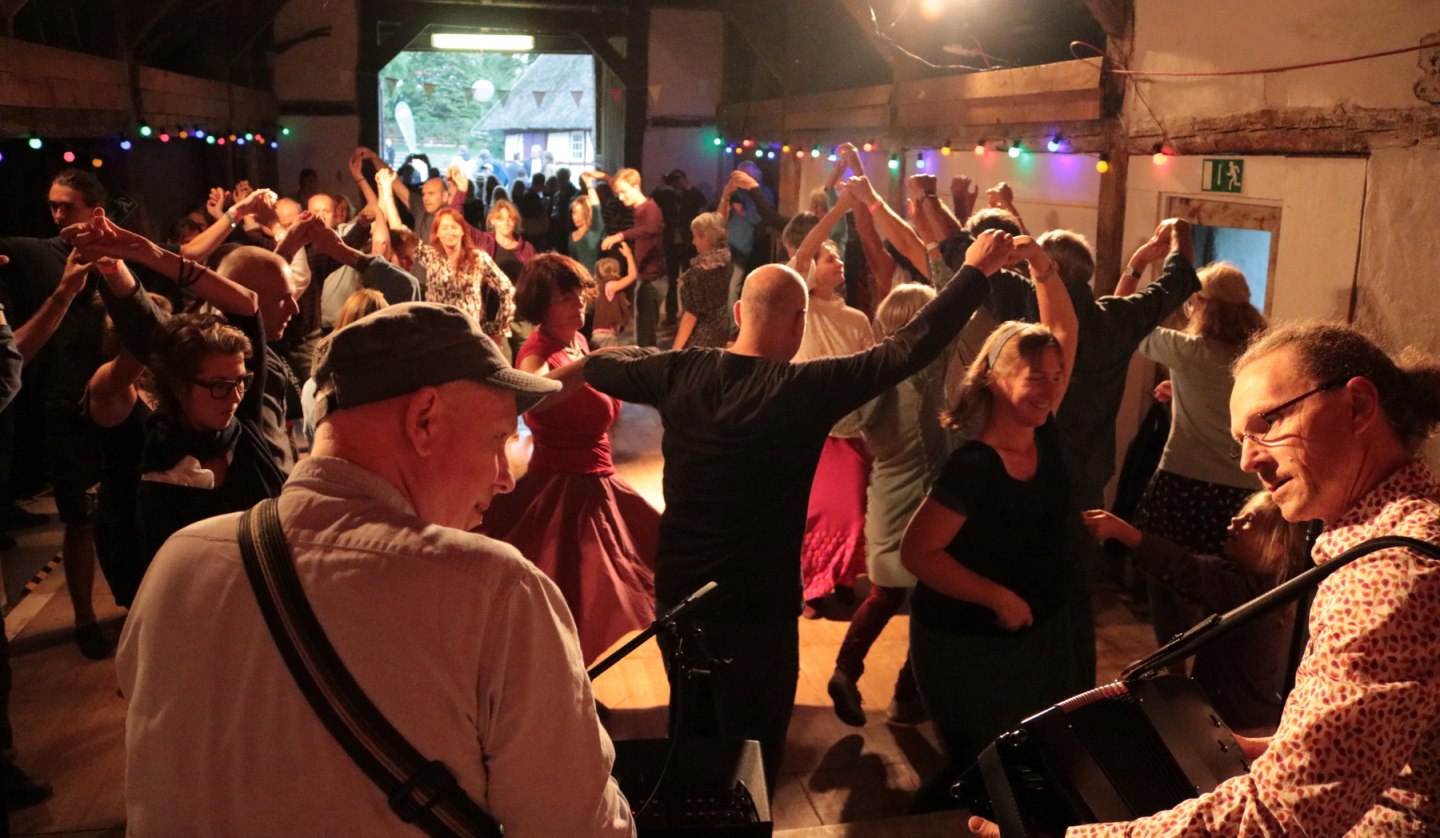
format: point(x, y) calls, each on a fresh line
point(579, 523)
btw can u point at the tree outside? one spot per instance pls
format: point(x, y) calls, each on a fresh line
point(446, 93)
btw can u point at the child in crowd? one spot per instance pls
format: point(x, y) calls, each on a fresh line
point(612, 303)
point(1243, 671)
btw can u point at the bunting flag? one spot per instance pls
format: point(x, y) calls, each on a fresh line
point(504, 97)
point(390, 86)
point(539, 97)
point(616, 93)
point(577, 95)
point(654, 93)
point(429, 90)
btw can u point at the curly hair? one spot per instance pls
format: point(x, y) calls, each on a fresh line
point(180, 348)
point(1409, 386)
point(467, 252)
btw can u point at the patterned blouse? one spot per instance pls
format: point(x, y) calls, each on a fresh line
point(1358, 748)
point(483, 292)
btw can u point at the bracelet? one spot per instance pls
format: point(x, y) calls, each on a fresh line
point(873, 204)
point(189, 273)
point(230, 218)
point(1135, 272)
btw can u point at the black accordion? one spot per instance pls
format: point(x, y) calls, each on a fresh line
point(1118, 752)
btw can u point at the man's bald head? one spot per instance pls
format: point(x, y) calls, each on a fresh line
point(771, 313)
point(268, 276)
point(286, 211)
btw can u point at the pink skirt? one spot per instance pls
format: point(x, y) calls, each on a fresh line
point(833, 553)
point(595, 537)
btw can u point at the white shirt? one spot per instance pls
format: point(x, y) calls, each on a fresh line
point(461, 643)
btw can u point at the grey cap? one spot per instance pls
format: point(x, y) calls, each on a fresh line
point(401, 348)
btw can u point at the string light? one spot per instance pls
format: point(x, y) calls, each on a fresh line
point(868, 147)
point(1160, 154)
point(36, 143)
point(97, 162)
point(945, 149)
point(785, 148)
point(1103, 164)
point(748, 143)
point(980, 149)
point(716, 142)
point(799, 154)
point(285, 132)
point(164, 137)
point(126, 145)
point(145, 131)
point(1014, 151)
point(184, 135)
point(1054, 144)
point(894, 163)
point(69, 157)
point(199, 134)
point(210, 139)
point(815, 152)
point(920, 162)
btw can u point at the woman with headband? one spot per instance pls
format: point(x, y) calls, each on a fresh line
point(987, 543)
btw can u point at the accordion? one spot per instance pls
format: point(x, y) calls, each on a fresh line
point(1118, 752)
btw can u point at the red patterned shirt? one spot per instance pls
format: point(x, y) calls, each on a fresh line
point(1358, 748)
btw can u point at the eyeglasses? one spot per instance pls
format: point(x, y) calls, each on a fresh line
point(1270, 417)
point(220, 388)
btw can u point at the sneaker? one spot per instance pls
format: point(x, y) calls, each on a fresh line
point(19, 790)
point(906, 711)
point(93, 643)
point(847, 700)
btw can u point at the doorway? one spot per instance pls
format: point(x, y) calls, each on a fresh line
point(1247, 235)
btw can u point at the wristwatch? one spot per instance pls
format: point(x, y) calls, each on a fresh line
point(1135, 272)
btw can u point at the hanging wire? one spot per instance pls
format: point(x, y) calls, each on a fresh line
point(1125, 71)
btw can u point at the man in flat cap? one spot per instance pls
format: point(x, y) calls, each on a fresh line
point(460, 642)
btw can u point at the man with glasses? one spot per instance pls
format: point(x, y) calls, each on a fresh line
point(1331, 425)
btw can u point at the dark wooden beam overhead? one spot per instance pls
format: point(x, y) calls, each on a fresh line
point(1116, 17)
point(494, 17)
point(637, 91)
point(610, 57)
point(763, 34)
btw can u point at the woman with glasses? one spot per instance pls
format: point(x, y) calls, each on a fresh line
point(1198, 486)
point(206, 451)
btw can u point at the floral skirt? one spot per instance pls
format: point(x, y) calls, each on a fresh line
point(833, 553)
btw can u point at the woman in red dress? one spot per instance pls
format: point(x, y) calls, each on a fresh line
point(570, 514)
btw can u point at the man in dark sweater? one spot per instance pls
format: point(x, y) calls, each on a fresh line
point(743, 433)
point(647, 237)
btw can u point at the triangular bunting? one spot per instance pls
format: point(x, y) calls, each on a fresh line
point(577, 95)
point(390, 86)
point(429, 90)
point(616, 93)
point(654, 93)
point(539, 97)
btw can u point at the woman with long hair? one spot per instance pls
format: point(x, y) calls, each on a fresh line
point(503, 241)
point(452, 272)
point(1198, 487)
point(987, 544)
point(584, 241)
point(570, 514)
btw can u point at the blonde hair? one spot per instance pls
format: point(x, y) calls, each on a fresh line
point(357, 305)
point(1284, 549)
point(498, 207)
point(1226, 322)
point(1010, 343)
point(711, 227)
point(607, 268)
point(629, 176)
point(900, 307)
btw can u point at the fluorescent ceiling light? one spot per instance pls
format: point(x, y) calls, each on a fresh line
point(481, 41)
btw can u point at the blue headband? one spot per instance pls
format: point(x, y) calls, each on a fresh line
point(1011, 330)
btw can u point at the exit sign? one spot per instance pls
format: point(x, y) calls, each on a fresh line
point(1223, 176)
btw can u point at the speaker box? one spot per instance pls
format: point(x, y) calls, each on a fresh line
point(712, 787)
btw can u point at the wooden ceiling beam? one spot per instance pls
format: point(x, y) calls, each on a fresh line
point(491, 17)
point(1116, 17)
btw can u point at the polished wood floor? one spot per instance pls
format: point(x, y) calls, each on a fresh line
point(69, 717)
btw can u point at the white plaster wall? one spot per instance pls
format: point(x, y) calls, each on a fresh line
point(1224, 35)
point(319, 70)
point(685, 65)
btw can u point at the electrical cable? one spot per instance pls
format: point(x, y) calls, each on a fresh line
point(1125, 71)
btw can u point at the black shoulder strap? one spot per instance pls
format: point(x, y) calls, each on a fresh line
point(421, 792)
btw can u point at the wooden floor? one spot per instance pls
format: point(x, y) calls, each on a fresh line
point(69, 717)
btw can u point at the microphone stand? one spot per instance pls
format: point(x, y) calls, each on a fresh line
point(1218, 625)
point(669, 622)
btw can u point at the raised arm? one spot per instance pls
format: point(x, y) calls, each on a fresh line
point(357, 173)
point(963, 194)
point(810, 246)
point(102, 238)
point(1057, 312)
point(386, 181)
point(393, 283)
point(1129, 319)
point(1001, 196)
point(890, 225)
point(226, 221)
point(1155, 249)
point(842, 162)
point(30, 338)
point(615, 286)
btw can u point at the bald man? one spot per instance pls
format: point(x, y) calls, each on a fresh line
point(743, 432)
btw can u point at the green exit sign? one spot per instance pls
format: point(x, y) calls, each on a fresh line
point(1223, 176)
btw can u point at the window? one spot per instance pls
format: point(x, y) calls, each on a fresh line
point(577, 146)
